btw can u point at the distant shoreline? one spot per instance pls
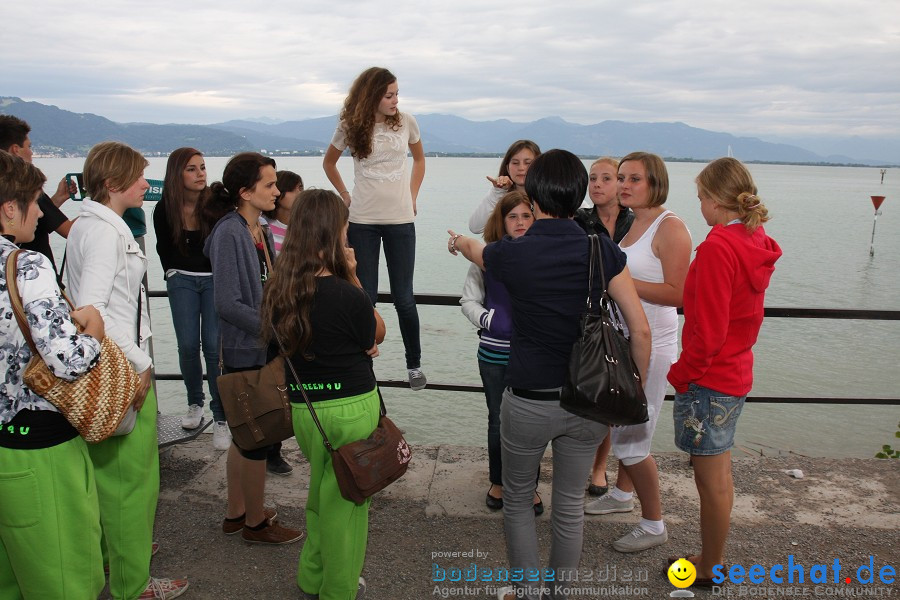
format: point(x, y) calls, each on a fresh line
point(308, 153)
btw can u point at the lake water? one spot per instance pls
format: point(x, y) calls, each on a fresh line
point(822, 218)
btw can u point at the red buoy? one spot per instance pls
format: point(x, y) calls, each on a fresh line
point(877, 200)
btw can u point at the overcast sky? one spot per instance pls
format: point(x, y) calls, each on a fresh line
point(761, 67)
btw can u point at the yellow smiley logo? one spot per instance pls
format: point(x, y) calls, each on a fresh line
point(682, 573)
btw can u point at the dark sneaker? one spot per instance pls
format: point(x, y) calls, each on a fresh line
point(417, 379)
point(233, 527)
point(273, 533)
point(279, 466)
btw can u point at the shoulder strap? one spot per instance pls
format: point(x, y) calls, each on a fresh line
point(596, 261)
point(16, 300)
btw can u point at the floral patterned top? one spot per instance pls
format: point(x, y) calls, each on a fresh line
point(67, 352)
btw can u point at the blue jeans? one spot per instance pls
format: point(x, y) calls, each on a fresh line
point(400, 253)
point(194, 318)
point(492, 376)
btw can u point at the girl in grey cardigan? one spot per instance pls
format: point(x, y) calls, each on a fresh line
point(241, 252)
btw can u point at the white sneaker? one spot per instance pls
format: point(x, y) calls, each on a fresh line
point(221, 435)
point(606, 504)
point(417, 379)
point(640, 539)
point(193, 417)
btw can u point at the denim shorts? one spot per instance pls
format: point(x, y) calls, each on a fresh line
point(705, 420)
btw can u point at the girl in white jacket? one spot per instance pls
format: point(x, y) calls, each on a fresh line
point(105, 268)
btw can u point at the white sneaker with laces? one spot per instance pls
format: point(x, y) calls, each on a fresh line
point(417, 379)
point(164, 589)
point(606, 504)
point(221, 435)
point(640, 539)
point(193, 417)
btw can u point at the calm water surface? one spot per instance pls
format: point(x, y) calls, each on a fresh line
point(822, 217)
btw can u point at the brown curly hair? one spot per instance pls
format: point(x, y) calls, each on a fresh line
point(358, 114)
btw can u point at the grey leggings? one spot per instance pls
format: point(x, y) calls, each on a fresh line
point(526, 427)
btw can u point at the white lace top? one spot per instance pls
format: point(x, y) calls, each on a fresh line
point(381, 194)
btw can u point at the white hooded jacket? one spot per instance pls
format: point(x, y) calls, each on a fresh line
point(104, 267)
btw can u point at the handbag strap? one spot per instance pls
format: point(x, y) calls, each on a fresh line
point(596, 262)
point(15, 298)
point(309, 405)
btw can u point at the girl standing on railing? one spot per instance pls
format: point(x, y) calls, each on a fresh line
point(241, 253)
point(181, 232)
point(383, 202)
point(511, 177)
point(724, 294)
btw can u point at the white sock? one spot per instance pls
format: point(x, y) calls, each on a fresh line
point(652, 527)
point(621, 496)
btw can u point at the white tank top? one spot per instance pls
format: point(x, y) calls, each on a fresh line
point(645, 266)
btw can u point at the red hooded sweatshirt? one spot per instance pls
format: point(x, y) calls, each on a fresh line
point(723, 309)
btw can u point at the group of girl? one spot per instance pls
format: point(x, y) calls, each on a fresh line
point(69, 508)
point(524, 293)
point(231, 298)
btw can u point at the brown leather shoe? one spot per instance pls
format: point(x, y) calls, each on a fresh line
point(273, 533)
point(233, 527)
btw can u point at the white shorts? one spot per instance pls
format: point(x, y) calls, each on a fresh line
point(631, 444)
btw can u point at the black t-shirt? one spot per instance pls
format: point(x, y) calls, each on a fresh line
point(343, 326)
point(47, 224)
point(169, 254)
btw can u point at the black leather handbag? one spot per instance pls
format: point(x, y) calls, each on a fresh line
point(603, 383)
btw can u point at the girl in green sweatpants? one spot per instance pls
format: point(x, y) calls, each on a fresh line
point(337, 529)
point(315, 312)
point(127, 473)
point(49, 536)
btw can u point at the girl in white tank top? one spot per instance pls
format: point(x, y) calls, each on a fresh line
point(658, 247)
point(645, 266)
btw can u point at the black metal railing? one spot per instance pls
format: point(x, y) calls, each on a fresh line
point(771, 312)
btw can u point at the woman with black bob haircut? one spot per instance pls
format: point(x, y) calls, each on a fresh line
point(546, 274)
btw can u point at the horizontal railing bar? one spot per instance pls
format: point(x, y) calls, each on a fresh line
point(771, 311)
point(455, 387)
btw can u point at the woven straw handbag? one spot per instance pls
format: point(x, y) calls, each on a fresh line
point(96, 402)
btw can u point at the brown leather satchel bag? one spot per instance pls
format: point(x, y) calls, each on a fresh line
point(367, 466)
point(256, 405)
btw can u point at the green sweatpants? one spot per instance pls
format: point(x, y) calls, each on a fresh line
point(337, 529)
point(49, 524)
point(127, 472)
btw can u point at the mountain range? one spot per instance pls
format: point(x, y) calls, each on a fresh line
point(64, 133)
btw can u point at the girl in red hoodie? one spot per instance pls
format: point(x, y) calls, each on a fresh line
point(723, 311)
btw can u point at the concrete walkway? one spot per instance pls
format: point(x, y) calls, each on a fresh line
point(433, 524)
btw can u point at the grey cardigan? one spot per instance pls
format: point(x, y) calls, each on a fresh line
point(237, 289)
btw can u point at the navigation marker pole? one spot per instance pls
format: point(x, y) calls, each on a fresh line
point(876, 201)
